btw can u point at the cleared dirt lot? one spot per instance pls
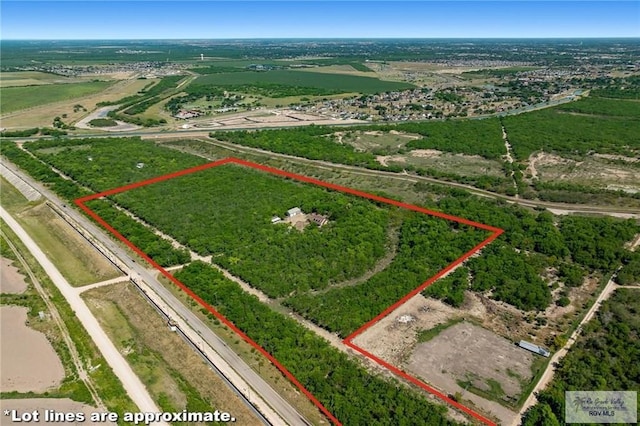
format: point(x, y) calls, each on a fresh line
point(28, 362)
point(11, 281)
point(63, 405)
point(470, 356)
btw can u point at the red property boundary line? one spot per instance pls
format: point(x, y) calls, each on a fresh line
point(495, 232)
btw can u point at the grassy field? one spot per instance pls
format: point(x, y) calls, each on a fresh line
point(43, 115)
point(18, 98)
point(335, 82)
point(76, 259)
point(27, 78)
point(174, 374)
point(629, 109)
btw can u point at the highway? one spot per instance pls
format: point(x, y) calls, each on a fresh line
point(270, 403)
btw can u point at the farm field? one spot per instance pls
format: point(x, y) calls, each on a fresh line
point(74, 109)
point(28, 78)
point(18, 98)
point(336, 83)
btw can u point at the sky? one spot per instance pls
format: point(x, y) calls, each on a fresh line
point(317, 19)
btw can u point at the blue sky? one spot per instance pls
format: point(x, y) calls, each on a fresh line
point(313, 19)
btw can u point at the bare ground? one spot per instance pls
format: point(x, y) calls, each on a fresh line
point(11, 280)
point(29, 363)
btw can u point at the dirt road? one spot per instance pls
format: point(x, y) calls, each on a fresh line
point(131, 383)
point(548, 374)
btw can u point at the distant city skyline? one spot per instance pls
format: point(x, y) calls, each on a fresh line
point(80, 20)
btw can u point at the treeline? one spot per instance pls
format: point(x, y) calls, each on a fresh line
point(44, 131)
point(157, 248)
point(605, 357)
point(427, 244)
point(302, 142)
point(630, 110)
point(345, 388)
point(268, 90)
point(43, 173)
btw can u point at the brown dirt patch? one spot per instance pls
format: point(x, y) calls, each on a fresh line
point(11, 280)
point(468, 353)
point(29, 363)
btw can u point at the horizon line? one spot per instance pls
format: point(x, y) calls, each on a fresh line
point(330, 38)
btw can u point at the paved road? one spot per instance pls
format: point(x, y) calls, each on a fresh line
point(132, 385)
point(286, 414)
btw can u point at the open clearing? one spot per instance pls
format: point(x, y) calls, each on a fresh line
point(597, 170)
point(61, 405)
point(29, 363)
point(11, 280)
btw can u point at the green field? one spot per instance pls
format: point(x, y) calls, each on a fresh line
point(18, 98)
point(628, 109)
point(332, 82)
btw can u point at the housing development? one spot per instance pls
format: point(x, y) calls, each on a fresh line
point(320, 231)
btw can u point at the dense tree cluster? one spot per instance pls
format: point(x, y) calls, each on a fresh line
point(158, 249)
point(630, 272)
point(345, 388)
point(228, 214)
point(606, 357)
point(426, 245)
point(551, 131)
point(450, 289)
point(472, 137)
point(107, 163)
point(597, 243)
